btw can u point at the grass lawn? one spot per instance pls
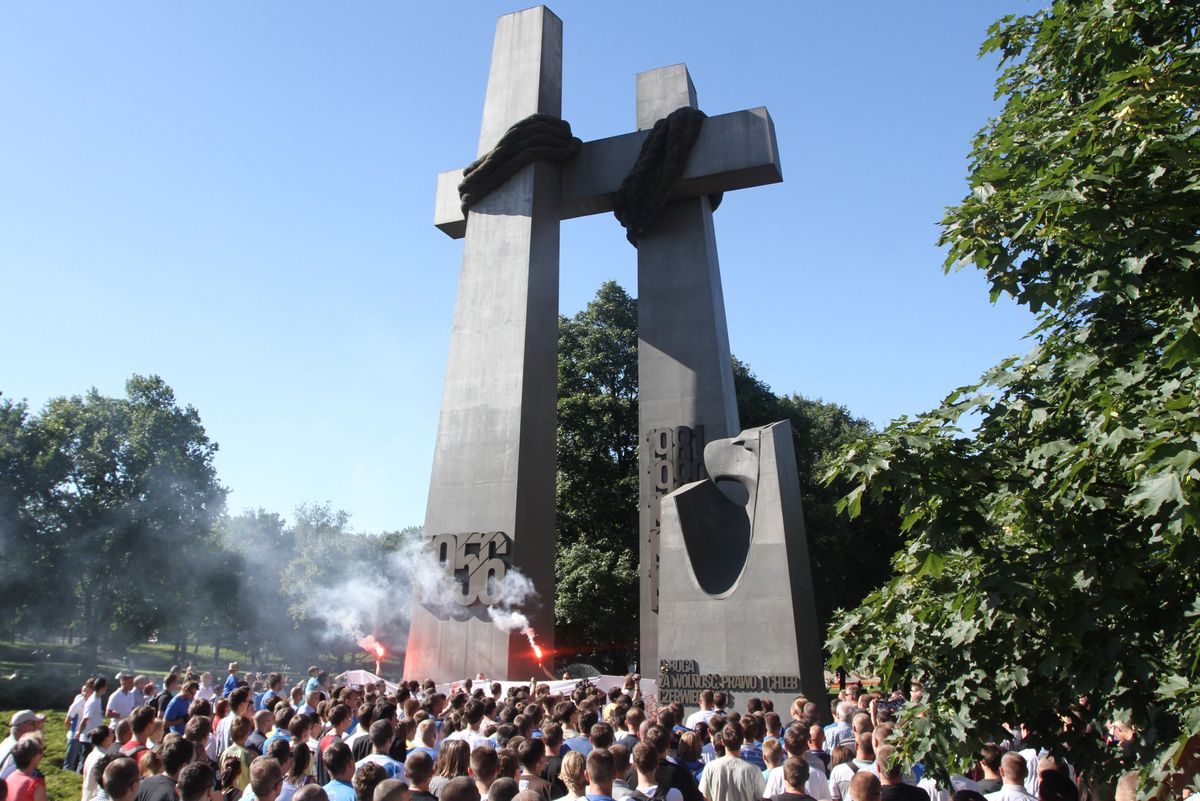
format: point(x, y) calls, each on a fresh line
point(61, 785)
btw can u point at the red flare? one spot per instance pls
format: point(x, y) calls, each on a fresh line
point(373, 647)
point(537, 649)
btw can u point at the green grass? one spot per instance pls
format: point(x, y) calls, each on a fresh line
point(61, 785)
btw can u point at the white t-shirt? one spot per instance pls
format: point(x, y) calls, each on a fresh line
point(75, 711)
point(91, 782)
point(732, 779)
point(649, 790)
point(91, 717)
point(839, 779)
point(817, 785)
point(121, 703)
point(1010, 792)
point(221, 735)
point(474, 739)
point(703, 716)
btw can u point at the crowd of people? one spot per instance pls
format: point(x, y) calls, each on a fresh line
point(261, 738)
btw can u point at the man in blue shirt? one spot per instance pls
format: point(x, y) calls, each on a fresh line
point(319, 682)
point(274, 690)
point(231, 681)
point(580, 742)
point(339, 761)
point(176, 716)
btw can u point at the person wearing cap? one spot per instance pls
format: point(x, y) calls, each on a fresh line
point(125, 699)
point(23, 723)
point(231, 681)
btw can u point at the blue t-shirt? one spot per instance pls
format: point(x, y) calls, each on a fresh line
point(340, 791)
point(313, 684)
point(579, 743)
point(260, 700)
point(178, 708)
point(231, 683)
point(276, 734)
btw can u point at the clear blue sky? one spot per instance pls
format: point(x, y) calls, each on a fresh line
point(238, 197)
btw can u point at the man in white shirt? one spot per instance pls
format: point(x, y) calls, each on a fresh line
point(795, 742)
point(74, 715)
point(1013, 770)
point(706, 713)
point(474, 737)
point(92, 716)
point(125, 699)
point(731, 778)
point(841, 775)
point(23, 722)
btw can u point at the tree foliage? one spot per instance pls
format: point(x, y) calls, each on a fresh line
point(596, 575)
point(112, 498)
point(1053, 549)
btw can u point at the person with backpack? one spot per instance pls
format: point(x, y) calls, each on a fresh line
point(142, 722)
point(645, 762)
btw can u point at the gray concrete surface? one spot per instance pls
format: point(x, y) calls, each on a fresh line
point(736, 596)
point(685, 377)
point(493, 468)
point(734, 151)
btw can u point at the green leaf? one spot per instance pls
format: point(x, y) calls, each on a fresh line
point(1152, 491)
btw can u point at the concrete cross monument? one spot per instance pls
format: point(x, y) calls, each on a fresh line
point(491, 497)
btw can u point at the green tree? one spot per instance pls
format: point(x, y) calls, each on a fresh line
point(129, 511)
point(1053, 550)
point(29, 560)
point(597, 486)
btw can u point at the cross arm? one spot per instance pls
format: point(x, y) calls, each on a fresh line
point(734, 151)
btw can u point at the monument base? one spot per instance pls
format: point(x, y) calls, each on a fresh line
point(736, 607)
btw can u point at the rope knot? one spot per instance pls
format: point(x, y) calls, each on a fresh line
point(659, 164)
point(538, 137)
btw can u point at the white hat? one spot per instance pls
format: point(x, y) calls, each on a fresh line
point(24, 716)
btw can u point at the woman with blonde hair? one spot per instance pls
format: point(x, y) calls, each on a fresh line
point(572, 775)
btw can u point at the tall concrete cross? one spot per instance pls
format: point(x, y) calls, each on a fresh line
point(491, 496)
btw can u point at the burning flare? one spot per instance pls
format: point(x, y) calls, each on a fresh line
point(537, 649)
point(373, 647)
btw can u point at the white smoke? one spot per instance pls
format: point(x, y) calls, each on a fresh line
point(377, 598)
point(512, 620)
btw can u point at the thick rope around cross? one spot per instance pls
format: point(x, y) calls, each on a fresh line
point(538, 137)
point(646, 188)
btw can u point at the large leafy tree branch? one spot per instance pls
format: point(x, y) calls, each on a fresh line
point(1051, 509)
